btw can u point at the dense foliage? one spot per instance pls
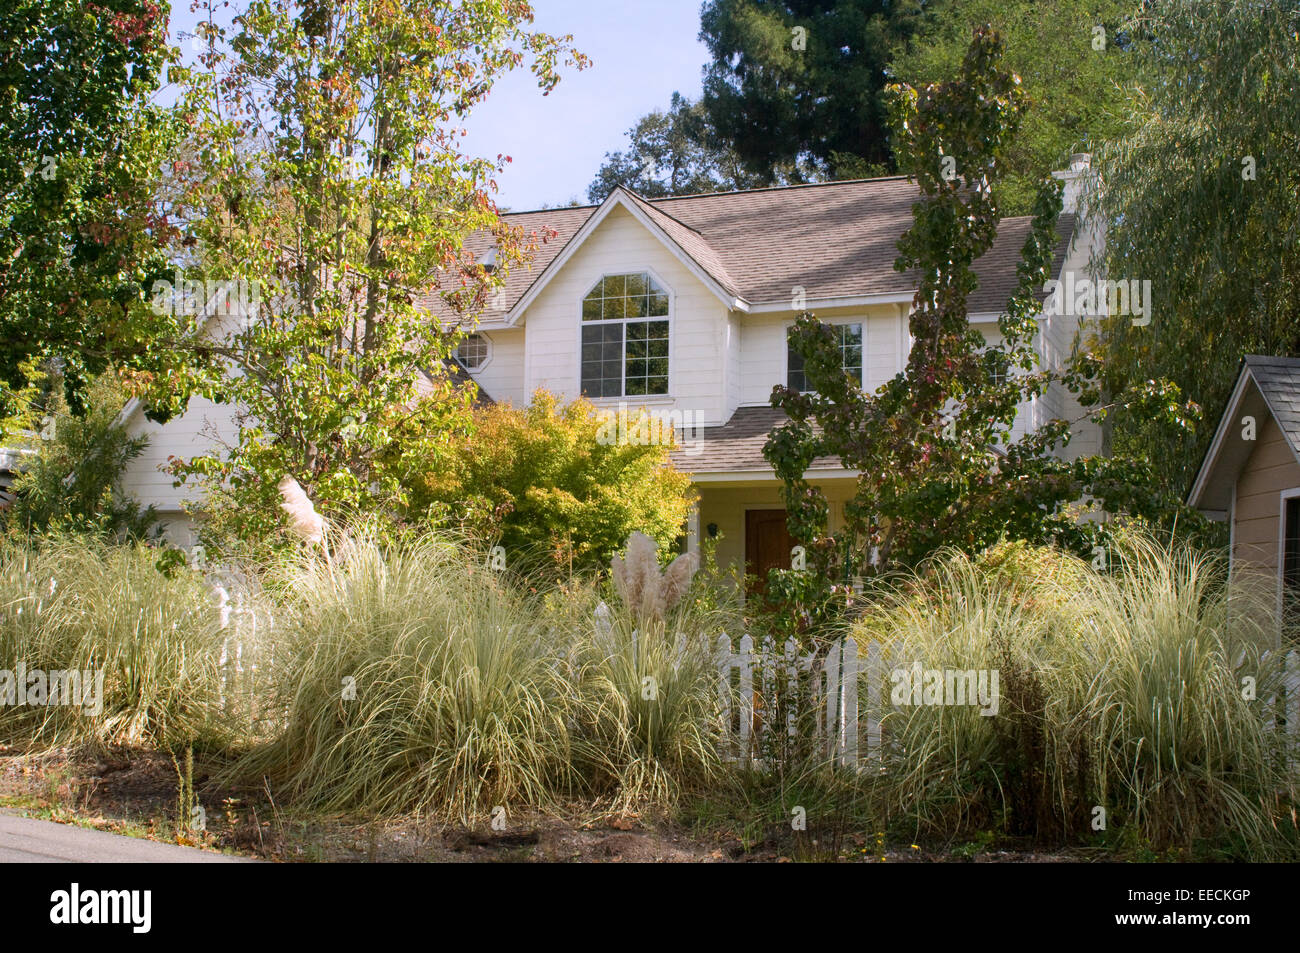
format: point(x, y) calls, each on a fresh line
point(1121, 718)
point(1076, 65)
point(672, 152)
point(555, 481)
point(1199, 198)
point(327, 185)
point(938, 460)
point(70, 479)
point(83, 228)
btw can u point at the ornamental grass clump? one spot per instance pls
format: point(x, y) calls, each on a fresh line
point(649, 714)
point(1122, 702)
point(106, 612)
point(413, 678)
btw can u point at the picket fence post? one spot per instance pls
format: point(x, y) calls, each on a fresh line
point(746, 693)
point(849, 701)
point(831, 670)
point(875, 676)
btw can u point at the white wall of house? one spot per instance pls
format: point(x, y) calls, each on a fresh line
point(202, 429)
point(503, 376)
point(697, 369)
point(1057, 339)
point(763, 348)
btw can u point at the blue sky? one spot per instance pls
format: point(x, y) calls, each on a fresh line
point(641, 51)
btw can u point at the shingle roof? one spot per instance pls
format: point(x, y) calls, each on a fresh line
point(833, 239)
point(736, 445)
point(1264, 385)
point(1278, 379)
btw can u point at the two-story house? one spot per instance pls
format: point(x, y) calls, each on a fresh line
point(682, 305)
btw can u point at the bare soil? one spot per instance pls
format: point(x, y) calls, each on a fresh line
point(136, 792)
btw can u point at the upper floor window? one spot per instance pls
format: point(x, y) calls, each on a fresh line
point(849, 337)
point(998, 366)
point(625, 337)
point(473, 351)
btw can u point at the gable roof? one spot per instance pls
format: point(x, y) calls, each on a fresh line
point(1264, 385)
point(836, 240)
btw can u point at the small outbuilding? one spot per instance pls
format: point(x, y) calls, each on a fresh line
point(1250, 476)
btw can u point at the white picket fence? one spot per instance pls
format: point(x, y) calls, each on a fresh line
point(843, 689)
point(242, 668)
point(1286, 703)
point(825, 687)
point(836, 695)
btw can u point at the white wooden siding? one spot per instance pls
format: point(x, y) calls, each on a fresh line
point(763, 348)
point(503, 376)
point(697, 369)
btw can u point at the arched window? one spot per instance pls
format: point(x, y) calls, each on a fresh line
point(625, 337)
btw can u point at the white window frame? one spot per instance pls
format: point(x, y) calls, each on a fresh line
point(670, 317)
point(861, 322)
point(487, 359)
point(1283, 497)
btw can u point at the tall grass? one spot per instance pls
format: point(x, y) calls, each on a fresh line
point(412, 680)
point(649, 713)
point(78, 604)
point(1120, 690)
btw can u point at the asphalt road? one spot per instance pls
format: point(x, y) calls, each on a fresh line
point(23, 840)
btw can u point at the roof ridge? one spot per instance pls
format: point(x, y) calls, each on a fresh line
point(779, 188)
point(658, 211)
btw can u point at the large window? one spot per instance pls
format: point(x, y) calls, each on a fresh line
point(625, 337)
point(850, 341)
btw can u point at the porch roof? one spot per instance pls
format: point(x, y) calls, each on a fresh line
point(737, 446)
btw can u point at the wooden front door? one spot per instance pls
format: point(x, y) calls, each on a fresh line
point(767, 543)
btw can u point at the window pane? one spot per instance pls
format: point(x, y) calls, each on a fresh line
point(603, 377)
point(794, 376)
point(631, 356)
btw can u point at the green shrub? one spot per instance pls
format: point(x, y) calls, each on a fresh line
point(72, 481)
point(412, 680)
point(649, 719)
point(542, 481)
